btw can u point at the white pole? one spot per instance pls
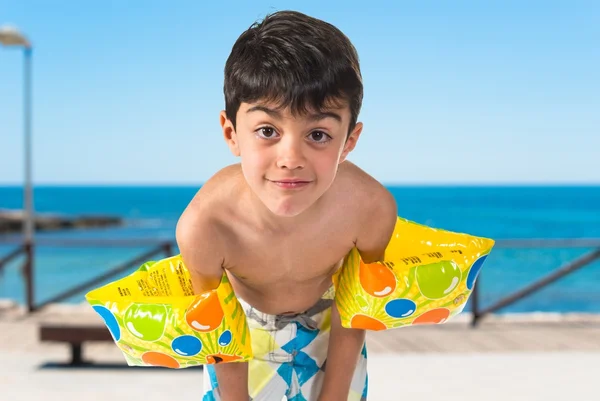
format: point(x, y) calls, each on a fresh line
point(10, 36)
point(28, 187)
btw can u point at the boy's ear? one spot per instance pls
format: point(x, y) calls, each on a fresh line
point(229, 134)
point(351, 141)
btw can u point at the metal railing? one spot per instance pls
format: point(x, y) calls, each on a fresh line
point(563, 271)
point(25, 248)
point(28, 250)
point(166, 248)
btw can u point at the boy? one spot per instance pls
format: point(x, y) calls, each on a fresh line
point(280, 222)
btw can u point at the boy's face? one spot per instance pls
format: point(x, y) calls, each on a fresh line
point(289, 161)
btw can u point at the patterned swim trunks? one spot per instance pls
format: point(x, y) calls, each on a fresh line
point(290, 353)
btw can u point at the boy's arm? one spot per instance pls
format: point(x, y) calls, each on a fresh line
point(345, 345)
point(342, 356)
point(378, 223)
point(201, 250)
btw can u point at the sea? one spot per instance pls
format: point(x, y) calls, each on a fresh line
point(498, 212)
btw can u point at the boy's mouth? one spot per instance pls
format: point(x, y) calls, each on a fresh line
point(290, 183)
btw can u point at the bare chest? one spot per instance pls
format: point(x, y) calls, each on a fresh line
point(264, 260)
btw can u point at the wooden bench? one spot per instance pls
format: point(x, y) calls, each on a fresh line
point(75, 335)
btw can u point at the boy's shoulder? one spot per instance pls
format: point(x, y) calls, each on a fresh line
point(209, 206)
point(352, 180)
point(211, 198)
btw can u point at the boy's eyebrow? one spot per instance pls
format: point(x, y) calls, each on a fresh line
point(321, 115)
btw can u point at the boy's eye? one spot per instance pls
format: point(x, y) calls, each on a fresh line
point(319, 137)
point(266, 132)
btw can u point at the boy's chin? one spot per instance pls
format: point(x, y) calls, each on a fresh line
point(286, 210)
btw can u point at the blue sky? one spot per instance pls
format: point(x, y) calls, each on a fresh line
point(456, 92)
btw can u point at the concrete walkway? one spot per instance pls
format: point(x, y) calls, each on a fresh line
point(520, 357)
point(492, 376)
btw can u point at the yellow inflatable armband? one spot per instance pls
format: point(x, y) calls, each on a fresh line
point(426, 277)
point(156, 320)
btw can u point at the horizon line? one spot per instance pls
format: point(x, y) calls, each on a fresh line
point(391, 184)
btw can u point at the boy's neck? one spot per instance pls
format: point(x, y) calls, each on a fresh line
point(265, 220)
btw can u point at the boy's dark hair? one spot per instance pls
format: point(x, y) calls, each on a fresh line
point(295, 61)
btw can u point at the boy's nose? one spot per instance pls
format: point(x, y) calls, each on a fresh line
point(290, 155)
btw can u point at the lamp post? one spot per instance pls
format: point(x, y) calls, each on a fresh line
point(11, 37)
